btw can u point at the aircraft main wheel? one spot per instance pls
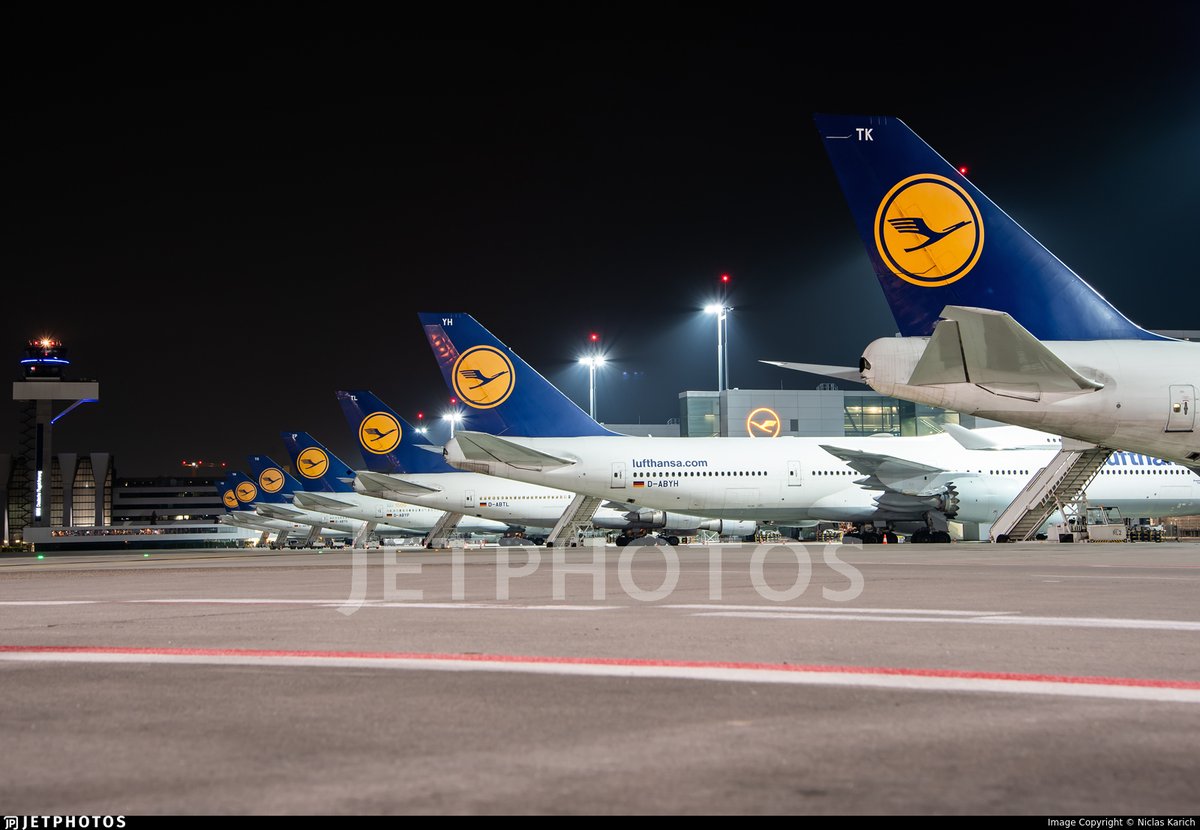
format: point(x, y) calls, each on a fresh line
point(891, 538)
point(672, 540)
point(921, 536)
point(870, 538)
point(940, 537)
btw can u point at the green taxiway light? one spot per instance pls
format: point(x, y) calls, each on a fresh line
point(145, 556)
point(41, 556)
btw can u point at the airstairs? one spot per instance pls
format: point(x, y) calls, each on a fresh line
point(1059, 484)
point(577, 516)
point(439, 535)
point(364, 533)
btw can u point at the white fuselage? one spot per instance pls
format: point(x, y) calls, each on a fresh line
point(390, 516)
point(793, 480)
point(516, 503)
point(251, 519)
point(1147, 404)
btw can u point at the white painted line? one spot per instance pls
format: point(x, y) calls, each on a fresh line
point(880, 678)
point(1059, 622)
point(52, 602)
point(824, 609)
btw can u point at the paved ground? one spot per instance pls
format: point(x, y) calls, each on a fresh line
point(973, 679)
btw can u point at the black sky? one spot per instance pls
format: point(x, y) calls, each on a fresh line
point(227, 226)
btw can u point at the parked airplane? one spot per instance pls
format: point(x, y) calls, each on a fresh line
point(239, 494)
point(327, 484)
point(399, 468)
point(335, 503)
point(994, 324)
point(539, 435)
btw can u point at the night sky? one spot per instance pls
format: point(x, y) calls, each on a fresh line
point(227, 226)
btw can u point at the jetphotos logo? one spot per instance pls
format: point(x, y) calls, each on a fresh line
point(928, 231)
point(483, 377)
point(777, 572)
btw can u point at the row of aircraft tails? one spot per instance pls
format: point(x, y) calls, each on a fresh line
point(991, 324)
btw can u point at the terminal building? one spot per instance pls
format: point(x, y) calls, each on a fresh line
point(826, 411)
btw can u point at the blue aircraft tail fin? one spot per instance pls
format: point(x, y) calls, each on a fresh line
point(318, 469)
point(935, 240)
point(389, 444)
point(502, 393)
point(275, 484)
point(238, 492)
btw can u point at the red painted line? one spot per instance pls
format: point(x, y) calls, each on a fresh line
point(609, 661)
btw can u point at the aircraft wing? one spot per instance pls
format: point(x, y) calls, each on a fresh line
point(850, 373)
point(380, 484)
point(898, 475)
point(481, 446)
point(992, 350)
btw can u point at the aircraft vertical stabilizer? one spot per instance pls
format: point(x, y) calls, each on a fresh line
point(389, 444)
point(503, 394)
point(936, 240)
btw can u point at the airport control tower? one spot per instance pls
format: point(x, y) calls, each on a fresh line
point(42, 386)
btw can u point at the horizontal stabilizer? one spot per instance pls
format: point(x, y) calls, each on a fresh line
point(850, 373)
point(319, 501)
point(992, 350)
point(279, 511)
point(380, 483)
point(480, 446)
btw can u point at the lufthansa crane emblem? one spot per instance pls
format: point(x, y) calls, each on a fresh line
point(928, 231)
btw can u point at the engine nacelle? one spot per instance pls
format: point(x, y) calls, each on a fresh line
point(634, 520)
point(728, 527)
point(679, 523)
point(976, 499)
